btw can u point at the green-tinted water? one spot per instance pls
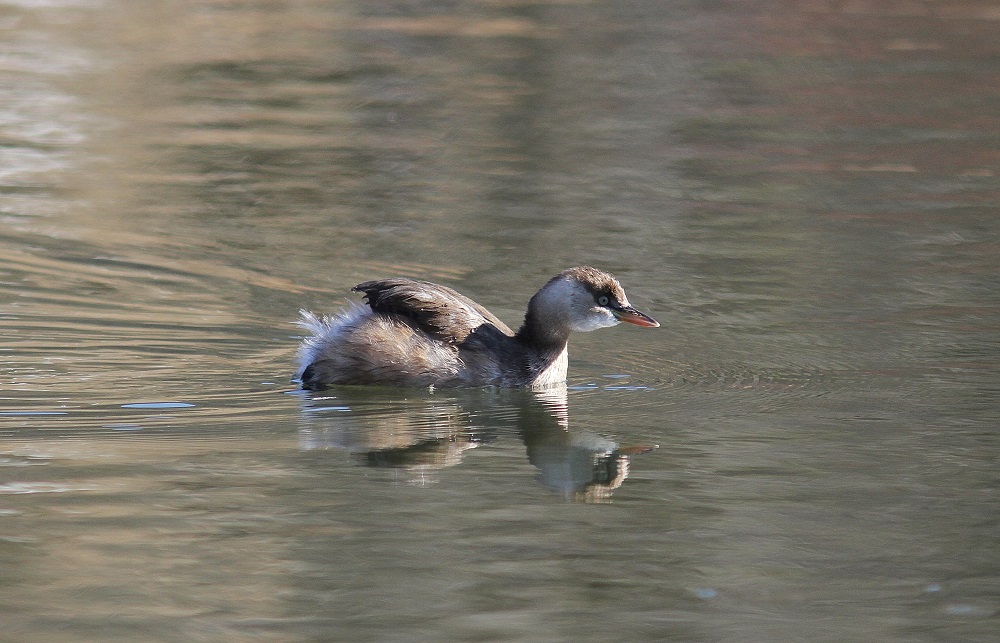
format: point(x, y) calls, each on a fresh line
point(804, 195)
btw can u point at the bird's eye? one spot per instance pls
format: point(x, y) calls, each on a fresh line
point(603, 300)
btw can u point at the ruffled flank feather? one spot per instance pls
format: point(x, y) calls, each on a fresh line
point(323, 329)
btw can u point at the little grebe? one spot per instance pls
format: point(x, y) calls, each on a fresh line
point(415, 333)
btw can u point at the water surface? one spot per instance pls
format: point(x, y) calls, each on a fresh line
point(804, 195)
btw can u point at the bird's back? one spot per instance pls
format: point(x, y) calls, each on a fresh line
point(436, 310)
point(413, 333)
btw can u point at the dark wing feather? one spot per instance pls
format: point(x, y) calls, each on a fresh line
point(437, 310)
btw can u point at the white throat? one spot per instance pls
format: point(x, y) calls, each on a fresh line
point(554, 373)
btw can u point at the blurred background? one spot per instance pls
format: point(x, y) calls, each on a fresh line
point(804, 194)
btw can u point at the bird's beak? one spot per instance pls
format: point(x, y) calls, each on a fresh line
point(633, 316)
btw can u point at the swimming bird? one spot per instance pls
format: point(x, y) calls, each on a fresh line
point(420, 334)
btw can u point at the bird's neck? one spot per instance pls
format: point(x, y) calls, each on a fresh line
point(542, 336)
point(545, 350)
point(545, 330)
point(546, 324)
point(552, 371)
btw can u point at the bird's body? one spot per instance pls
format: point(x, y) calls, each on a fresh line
point(416, 333)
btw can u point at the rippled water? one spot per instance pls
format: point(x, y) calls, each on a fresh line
point(804, 195)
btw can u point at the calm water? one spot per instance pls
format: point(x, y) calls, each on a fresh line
point(805, 195)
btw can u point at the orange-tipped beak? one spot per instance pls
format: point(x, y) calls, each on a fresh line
point(633, 316)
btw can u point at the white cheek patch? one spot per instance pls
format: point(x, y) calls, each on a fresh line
point(598, 317)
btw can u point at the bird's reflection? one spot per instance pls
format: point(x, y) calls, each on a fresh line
point(581, 465)
point(419, 432)
point(383, 427)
